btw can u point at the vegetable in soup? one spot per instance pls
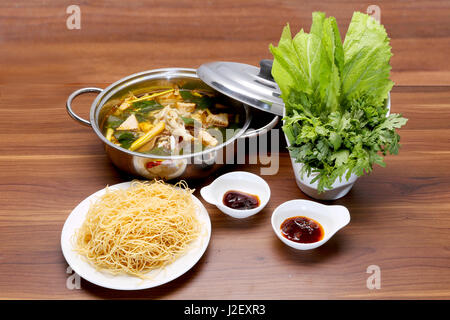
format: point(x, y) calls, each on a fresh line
point(168, 122)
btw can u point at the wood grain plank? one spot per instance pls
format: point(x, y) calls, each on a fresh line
point(173, 34)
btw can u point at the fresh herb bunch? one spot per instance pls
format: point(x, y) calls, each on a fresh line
point(335, 95)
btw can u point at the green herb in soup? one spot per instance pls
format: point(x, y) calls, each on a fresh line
point(170, 122)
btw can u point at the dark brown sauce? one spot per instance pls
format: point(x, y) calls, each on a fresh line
point(302, 230)
point(240, 200)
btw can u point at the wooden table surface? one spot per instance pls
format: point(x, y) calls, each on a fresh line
point(49, 163)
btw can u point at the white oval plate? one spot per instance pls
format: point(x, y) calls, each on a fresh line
point(127, 282)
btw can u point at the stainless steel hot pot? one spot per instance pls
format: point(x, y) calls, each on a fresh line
point(195, 165)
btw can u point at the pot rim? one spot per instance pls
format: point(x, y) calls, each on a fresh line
point(163, 73)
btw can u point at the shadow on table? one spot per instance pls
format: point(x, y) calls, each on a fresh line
point(327, 251)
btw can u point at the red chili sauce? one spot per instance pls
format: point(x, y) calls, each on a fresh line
point(240, 200)
point(302, 230)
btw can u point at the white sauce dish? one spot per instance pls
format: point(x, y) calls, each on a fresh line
point(332, 218)
point(240, 181)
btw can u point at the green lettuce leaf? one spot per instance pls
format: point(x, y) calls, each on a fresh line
point(307, 68)
point(367, 54)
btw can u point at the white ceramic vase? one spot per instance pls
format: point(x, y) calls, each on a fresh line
point(338, 190)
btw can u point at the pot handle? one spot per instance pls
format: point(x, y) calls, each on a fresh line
point(69, 103)
point(257, 132)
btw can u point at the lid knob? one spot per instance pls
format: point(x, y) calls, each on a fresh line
point(265, 70)
point(248, 84)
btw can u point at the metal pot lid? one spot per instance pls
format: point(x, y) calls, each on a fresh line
point(248, 84)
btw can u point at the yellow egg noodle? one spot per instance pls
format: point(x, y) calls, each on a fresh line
point(139, 229)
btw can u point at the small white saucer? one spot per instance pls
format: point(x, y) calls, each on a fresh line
point(332, 219)
point(239, 181)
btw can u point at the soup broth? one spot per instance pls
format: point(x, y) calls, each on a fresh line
point(171, 121)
